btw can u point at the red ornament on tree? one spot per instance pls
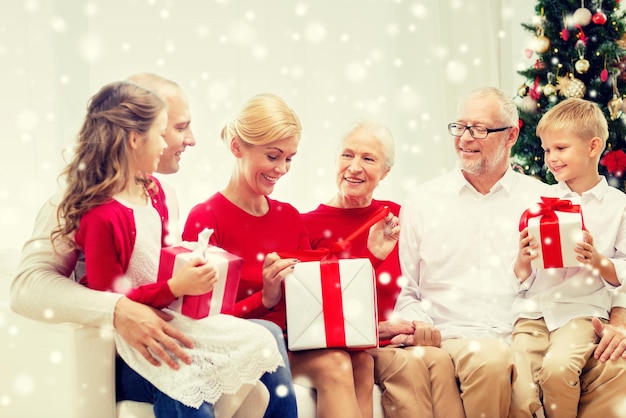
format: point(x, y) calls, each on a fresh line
point(604, 75)
point(599, 18)
point(535, 91)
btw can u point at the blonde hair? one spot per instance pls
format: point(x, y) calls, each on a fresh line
point(100, 165)
point(581, 117)
point(263, 119)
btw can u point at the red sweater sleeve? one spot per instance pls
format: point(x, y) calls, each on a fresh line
point(107, 242)
point(158, 295)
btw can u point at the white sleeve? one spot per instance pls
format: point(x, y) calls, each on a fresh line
point(519, 286)
point(408, 304)
point(43, 290)
point(619, 261)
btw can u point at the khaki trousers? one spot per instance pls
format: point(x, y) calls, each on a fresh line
point(549, 365)
point(484, 369)
point(417, 382)
point(603, 389)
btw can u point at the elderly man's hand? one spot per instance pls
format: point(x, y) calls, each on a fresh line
point(612, 343)
point(425, 335)
point(392, 328)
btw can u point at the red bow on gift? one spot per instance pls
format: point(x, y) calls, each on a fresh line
point(546, 208)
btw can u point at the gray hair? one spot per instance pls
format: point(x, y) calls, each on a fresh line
point(508, 114)
point(381, 132)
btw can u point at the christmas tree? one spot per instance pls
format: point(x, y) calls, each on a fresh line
point(580, 51)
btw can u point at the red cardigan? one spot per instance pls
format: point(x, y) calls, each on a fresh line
point(106, 235)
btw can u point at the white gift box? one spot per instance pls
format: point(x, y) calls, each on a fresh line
point(556, 251)
point(332, 309)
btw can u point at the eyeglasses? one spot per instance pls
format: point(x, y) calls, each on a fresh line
point(477, 132)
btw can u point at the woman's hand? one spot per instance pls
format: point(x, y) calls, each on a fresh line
point(197, 277)
point(275, 269)
point(383, 236)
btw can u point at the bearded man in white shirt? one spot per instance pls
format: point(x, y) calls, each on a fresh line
point(458, 242)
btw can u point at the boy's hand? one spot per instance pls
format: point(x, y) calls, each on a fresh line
point(587, 253)
point(197, 277)
point(589, 256)
point(526, 253)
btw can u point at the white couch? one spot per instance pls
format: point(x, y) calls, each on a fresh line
point(67, 370)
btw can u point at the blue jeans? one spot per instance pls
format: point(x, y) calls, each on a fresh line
point(279, 383)
point(130, 386)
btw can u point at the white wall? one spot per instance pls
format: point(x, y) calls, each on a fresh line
point(406, 62)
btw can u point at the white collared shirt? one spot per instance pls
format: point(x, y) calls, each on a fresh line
point(561, 294)
point(456, 251)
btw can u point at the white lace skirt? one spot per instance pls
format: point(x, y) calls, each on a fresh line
point(228, 353)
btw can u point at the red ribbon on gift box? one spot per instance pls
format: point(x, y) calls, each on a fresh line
point(549, 227)
point(198, 306)
point(331, 279)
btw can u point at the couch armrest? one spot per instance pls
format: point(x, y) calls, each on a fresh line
point(55, 370)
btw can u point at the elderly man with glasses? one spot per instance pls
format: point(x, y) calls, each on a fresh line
point(458, 240)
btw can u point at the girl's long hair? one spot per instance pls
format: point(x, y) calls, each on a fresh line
point(100, 166)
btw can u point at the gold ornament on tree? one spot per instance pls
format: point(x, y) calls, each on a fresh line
point(541, 43)
point(549, 89)
point(582, 15)
point(523, 90)
point(615, 104)
point(569, 86)
point(615, 107)
point(582, 65)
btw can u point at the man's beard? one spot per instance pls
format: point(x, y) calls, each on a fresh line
point(483, 165)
